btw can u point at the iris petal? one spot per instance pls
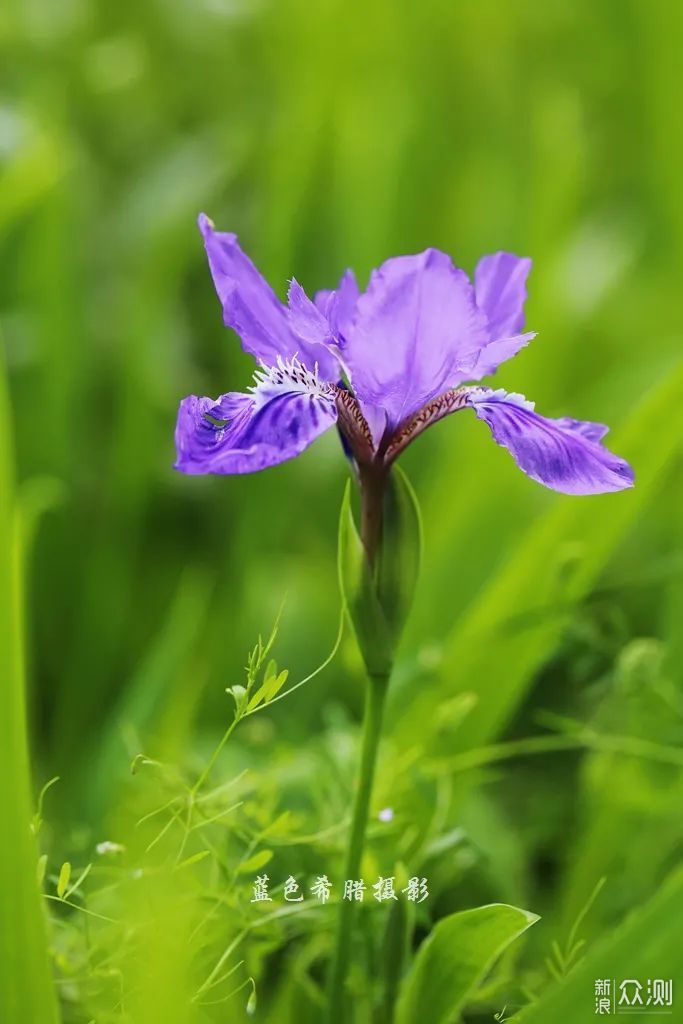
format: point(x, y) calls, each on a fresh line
point(251, 307)
point(244, 433)
point(500, 289)
point(415, 332)
point(563, 454)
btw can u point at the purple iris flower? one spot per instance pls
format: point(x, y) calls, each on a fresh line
point(382, 365)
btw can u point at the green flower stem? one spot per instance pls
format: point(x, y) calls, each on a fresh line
point(372, 725)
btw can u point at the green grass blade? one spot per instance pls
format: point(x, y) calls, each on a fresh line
point(26, 991)
point(646, 946)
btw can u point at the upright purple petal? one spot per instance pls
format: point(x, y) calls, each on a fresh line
point(500, 289)
point(305, 318)
point(563, 454)
point(497, 352)
point(244, 433)
point(416, 332)
point(341, 306)
point(338, 307)
point(251, 307)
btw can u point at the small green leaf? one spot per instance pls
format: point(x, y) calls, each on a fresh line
point(255, 862)
point(41, 867)
point(453, 960)
point(194, 859)
point(271, 686)
point(274, 684)
point(258, 697)
point(63, 880)
point(280, 826)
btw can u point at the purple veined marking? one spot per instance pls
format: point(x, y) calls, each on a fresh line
point(382, 365)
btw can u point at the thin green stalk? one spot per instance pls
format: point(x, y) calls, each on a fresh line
point(214, 757)
point(26, 990)
point(372, 724)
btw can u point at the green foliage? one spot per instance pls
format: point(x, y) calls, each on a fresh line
point(648, 942)
point(454, 959)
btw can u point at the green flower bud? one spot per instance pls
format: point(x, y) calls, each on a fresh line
point(378, 586)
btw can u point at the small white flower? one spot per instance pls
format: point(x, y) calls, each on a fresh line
point(109, 847)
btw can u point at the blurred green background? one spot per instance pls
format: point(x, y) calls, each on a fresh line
point(330, 135)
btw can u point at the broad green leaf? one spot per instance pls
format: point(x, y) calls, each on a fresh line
point(454, 959)
point(646, 945)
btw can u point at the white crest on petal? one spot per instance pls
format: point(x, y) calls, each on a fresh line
point(288, 376)
point(480, 395)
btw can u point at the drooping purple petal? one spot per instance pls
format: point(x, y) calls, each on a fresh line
point(244, 433)
point(416, 332)
point(563, 454)
point(251, 307)
point(593, 431)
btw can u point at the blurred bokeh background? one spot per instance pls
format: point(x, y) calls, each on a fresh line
point(330, 135)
